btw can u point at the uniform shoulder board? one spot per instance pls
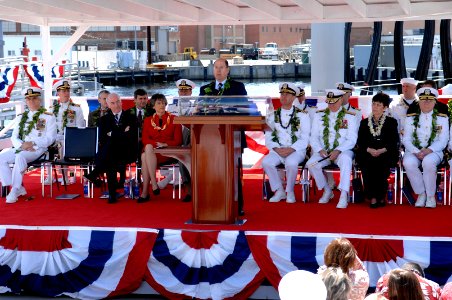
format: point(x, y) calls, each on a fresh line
point(356, 108)
point(350, 113)
point(76, 105)
point(304, 111)
point(412, 114)
point(442, 115)
point(48, 113)
point(319, 111)
point(20, 114)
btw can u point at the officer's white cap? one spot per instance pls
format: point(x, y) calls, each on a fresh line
point(333, 95)
point(301, 88)
point(185, 84)
point(343, 86)
point(409, 80)
point(288, 87)
point(63, 84)
point(427, 93)
point(32, 92)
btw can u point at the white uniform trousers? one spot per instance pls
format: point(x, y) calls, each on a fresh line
point(291, 163)
point(8, 156)
point(344, 162)
point(424, 181)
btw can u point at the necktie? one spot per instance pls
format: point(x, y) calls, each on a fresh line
point(220, 86)
point(117, 118)
point(140, 117)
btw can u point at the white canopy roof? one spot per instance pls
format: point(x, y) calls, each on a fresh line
point(208, 12)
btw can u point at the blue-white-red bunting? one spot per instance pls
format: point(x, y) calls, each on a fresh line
point(204, 265)
point(35, 73)
point(84, 264)
point(280, 253)
point(8, 77)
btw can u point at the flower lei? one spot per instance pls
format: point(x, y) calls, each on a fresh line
point(326, 129)
point(416, 141)
point(381, 122)
point(24, 132)
point(56, 110)
point(158, 127)
point(209, 89)
point(294, 123)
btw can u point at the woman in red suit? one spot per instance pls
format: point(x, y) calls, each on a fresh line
point(159, 131)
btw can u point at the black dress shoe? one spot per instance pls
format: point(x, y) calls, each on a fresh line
point(187, 198)
point(374, 205)
point(112, 199)
point(143, 199)
point(241, 213)
point(96, 181)
point(156, 191)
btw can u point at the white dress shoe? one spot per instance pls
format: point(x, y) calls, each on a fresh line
point(343, 200)
point(327, 195)
point(290, 197)
point(21, 191)
point(431, 202)
point(12, 197)
point(420, 202)
point(278, 196)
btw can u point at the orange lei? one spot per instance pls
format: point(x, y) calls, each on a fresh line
point(158, 127)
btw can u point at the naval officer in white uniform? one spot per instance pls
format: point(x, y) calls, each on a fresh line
point(333, 137)
point(33, 133)
point(425, 137)
point(287, 140)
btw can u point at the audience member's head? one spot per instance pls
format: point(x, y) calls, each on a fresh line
point(446, 293)
point(340, 252)
point(414, 267)
point(429, 83)
point(403, 284)
point(337, 283)
point(300, 284)
point(382, 98)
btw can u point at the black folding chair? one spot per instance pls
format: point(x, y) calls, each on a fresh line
point(80, 148)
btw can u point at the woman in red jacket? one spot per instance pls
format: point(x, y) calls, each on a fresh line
point(159, 131)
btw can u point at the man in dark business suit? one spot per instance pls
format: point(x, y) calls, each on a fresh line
point(222, 85)
point(225, 86)
point(116, 129)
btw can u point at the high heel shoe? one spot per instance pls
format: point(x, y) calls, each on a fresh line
point(144, 199)
point(156, 191)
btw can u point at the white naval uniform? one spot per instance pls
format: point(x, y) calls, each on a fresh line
point(424, 181)
point(397, 110)
point(304, 106)
point(358, 113)
point(43, 137)
point(348, 134)
point(291, 162)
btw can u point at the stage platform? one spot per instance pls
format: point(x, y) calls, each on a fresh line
point(86, 248)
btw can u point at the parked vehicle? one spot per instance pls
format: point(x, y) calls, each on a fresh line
point(190, 53)
point(270, 51)
point(250, 53)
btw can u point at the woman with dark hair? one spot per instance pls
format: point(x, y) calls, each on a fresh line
point(377, 150)
point(159, 131)
point(403, 284)
point(341, 253)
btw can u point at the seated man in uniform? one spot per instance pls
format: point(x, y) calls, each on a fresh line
point(287, 141)
point(333, 137)
point(34, 132)
point(93, 117)
point(425, 137)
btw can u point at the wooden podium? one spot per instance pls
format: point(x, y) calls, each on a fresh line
point(215, 153)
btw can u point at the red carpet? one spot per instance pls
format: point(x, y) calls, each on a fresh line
point(164, 212)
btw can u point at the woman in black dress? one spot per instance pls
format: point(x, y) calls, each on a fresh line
point(377, 150)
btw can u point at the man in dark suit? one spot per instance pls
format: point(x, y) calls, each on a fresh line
point(116, 129)
point(222, 85)
point(225, 86)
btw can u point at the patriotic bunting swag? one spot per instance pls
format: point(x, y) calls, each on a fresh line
point(8, 77)
point(94, 264)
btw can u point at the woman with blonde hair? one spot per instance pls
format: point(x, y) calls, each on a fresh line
point(341, 253)
point(337, 283)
